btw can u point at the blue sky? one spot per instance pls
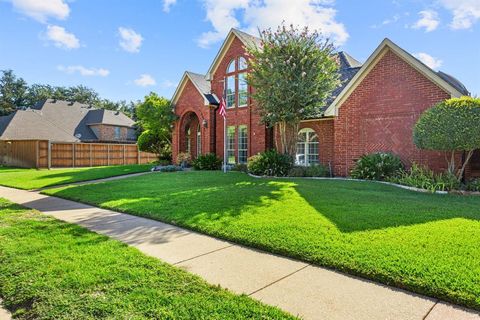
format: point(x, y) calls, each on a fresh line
point(125, 49)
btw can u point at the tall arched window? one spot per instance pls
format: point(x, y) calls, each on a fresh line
point(199, 140)
point(307, 147)
point(188, 141)
point(236, 88)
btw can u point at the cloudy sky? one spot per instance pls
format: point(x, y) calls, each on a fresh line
point(125, 49)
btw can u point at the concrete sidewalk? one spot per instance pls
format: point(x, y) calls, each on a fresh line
point(302, 289)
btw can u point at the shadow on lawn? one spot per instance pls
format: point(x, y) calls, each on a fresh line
point(362, 206)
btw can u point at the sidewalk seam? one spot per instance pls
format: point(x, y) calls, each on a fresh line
point(278, 280)
point(203, 254)
point(430, 310)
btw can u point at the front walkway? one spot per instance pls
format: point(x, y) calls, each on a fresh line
point(297, 287)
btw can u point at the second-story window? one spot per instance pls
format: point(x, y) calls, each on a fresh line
point(236, 87)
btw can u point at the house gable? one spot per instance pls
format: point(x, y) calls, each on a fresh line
point(386, 46)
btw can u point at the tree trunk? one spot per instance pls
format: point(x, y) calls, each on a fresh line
point(464, 165)
point(288, 137)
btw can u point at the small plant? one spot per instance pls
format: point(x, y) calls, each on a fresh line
point(183, 159)
point(315, 170)
point(424, 178)
point(270, 163)
point(242, 167)
point(473, 185)
point(377, 166)
point(208, 161)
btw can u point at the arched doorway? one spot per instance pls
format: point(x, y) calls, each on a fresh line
point(191, 135)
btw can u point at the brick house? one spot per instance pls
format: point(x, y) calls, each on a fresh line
point(64, 121)
point(374, 109)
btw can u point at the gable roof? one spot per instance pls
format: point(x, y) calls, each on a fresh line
point(59, 121)
point(247, 39)
point(444, 81)
point(202, 85)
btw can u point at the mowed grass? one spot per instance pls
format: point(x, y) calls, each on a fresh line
point(34, 179)
point(422, 242)
point(54, 270)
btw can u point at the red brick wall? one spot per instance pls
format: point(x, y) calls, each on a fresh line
point(107, 132)
point(380, 114)
point(324, 130)
point(191, 101)
point(257, 139)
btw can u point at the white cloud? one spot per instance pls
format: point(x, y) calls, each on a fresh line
point(84, 71)
point(61, 38)
point(253, 14)
point(169, 84)
point(385, 22)
point(465, 12)
point(41, 10)
point(428, 20)
point(430, 61)
point(131, 41)
point(145, 80)
point(167, 4)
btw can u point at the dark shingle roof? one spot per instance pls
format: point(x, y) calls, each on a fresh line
point(454, 82)
point(248, 39)
point(59, 121)
point(203, 85)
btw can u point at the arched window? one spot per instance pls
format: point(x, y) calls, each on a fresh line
point(189, 140)
point(242, 63)
point(199, 140)
point(231, 67)
point(307, 147)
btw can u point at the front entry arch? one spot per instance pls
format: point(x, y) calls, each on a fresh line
point(190, 135)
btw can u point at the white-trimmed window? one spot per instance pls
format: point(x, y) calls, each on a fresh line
point(242, 90)
point(242, 63)
point(189, 141)
point(231, 145)
point(199, 140)
point(230, 94)
point(231, 67)
point(118, 133)
point(307, 147)
point(242, 144)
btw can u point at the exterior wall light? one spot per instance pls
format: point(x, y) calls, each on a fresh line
point(205, 123)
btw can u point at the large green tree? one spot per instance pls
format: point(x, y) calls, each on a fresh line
point(13, 92)
point(293, 73)
point(451, 126)
point(155, 117)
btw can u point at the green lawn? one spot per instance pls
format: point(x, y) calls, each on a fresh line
point(54, 270)
point(35, 179)
point(423, 242)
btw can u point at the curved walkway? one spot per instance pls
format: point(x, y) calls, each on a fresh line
point(302, 289)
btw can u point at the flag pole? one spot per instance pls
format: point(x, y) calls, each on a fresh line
point(225, 128)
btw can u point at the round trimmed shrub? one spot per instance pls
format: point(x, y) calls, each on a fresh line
point(377, 166)
point(270, 163)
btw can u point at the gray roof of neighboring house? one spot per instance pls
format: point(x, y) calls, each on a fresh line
point(59, 121)
point(203, 85)
point(454, 82)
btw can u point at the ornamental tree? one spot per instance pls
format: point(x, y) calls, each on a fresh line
point(293, 73)
point(155, 117)
point(451, 126)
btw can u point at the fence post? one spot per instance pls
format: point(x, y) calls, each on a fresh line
point(49, 155)
point(123, 154)
point(73, 155)
point(138, 154)
point(37, 154)
point(108, 154)
point(91, 160)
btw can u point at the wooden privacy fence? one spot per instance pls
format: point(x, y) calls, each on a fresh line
point(47, 154)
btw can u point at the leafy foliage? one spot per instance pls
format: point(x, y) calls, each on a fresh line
point(270, 163)
point(451, 126)
point(293, 73)
point(15, 93)
point(377, 166)
point(473, 185)
point(155, 116)
point(315, 170)
point(208, 161)
point(424, 178)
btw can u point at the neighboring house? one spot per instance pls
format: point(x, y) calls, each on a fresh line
point(373, 110)
point(62, 121)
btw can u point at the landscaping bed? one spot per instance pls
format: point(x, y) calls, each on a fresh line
point(54, 270)
point(29, 179)
point(422, 242)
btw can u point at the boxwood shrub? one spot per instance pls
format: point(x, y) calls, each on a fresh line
point(270, 163)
